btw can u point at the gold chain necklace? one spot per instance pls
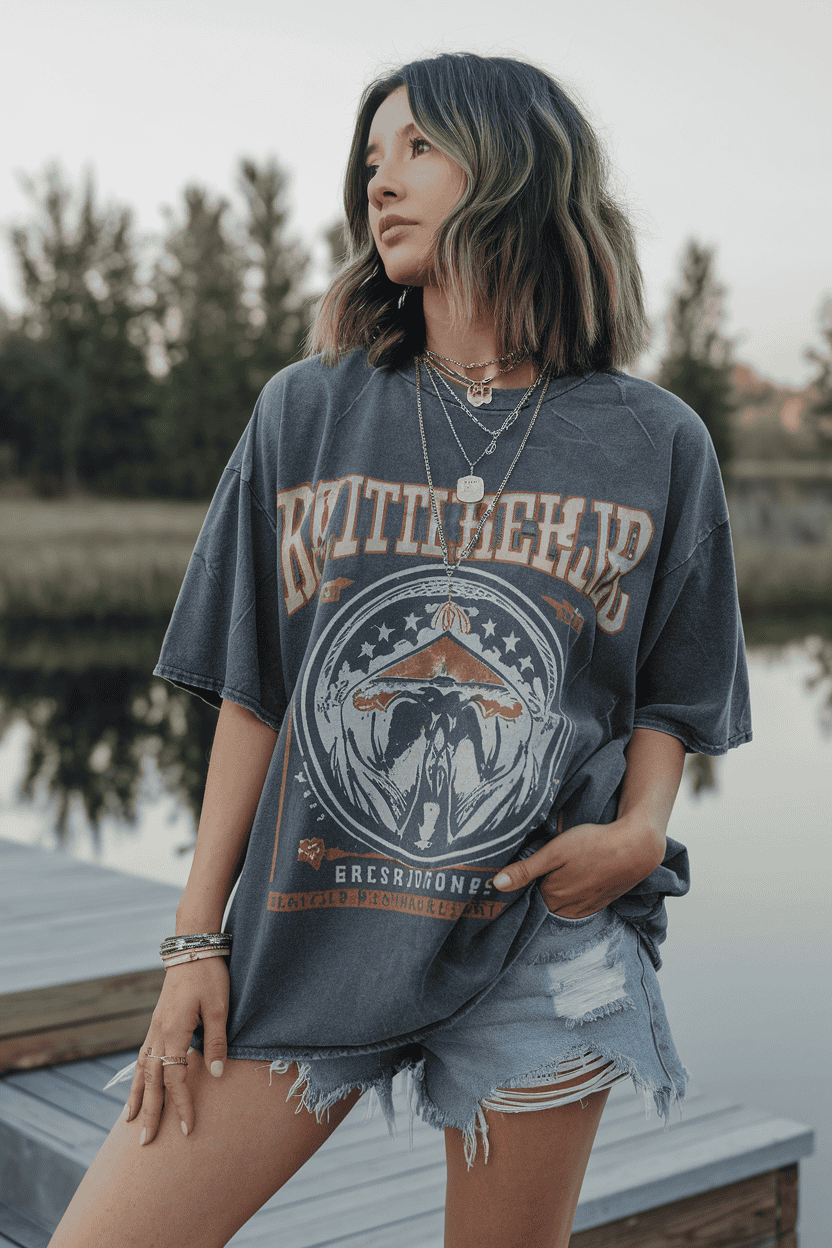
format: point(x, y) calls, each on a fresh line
point(449, 614)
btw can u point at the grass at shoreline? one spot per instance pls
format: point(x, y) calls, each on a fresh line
point(101, 559)
point(94, 559)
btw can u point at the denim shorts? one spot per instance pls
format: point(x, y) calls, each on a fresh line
point(583, 990)
point(582, 996)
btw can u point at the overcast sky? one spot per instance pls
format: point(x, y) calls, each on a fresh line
point(715, 114)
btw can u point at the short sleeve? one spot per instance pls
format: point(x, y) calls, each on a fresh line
point(692, 680)
point(223, 636)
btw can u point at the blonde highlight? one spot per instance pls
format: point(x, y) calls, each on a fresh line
point(536, 241)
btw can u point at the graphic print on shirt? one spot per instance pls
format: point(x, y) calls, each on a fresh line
point(432, 744)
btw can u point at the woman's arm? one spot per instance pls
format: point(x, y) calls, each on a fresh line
point(197, 992)
point(588, 866)
point(240, 758)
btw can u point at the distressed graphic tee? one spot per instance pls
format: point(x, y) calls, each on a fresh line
point(420, 750)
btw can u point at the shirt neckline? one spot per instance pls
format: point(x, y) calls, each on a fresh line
point(502, 400)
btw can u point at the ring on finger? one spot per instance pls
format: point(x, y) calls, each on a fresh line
point(167, 1061)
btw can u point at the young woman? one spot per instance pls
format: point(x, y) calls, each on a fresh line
point(464, 597)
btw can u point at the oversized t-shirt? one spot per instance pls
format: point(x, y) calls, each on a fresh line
point(420, 750)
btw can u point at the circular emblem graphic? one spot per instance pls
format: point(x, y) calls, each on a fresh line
point(431, 735)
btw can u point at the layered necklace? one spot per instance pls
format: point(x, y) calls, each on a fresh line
point(479, 392)
point(449, 615)
point(471, 489)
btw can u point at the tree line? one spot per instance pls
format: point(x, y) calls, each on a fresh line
point(133, 375)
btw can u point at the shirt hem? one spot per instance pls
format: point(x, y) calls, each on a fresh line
point(692, 743)
point(179, 677)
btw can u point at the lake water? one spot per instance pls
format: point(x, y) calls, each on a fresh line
point(747, 976)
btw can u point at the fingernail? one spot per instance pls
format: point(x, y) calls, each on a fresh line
point(190, 1051)
point(184, 1126)
point(125, 1113)
point(143, 1135)
point(502, 880)
point(216, 1069)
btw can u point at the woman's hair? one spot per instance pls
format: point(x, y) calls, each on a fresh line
point(535, 240)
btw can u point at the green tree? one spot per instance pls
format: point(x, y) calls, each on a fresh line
point(278, 313)
point(230, 314)
point(201, 319)
point(819, 415)
point(697, 364)
point(75, 365)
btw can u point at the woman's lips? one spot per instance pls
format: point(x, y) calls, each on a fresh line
point(393, 230)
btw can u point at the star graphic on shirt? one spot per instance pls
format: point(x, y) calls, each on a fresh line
point(525, 662)
point(301, 775)
point(510, 642)
point(367, 649)
point(384, 632)
point(488, 628)
point(410, 622)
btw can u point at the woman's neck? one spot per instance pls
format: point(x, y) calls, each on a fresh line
point(475, 341)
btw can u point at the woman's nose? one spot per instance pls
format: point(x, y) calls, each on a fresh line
point(383, 186)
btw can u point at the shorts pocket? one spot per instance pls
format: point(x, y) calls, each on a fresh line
point(585, 918)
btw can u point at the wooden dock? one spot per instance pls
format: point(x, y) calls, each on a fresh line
point(723, 1177)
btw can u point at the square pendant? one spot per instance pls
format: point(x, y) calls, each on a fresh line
point(470, 489)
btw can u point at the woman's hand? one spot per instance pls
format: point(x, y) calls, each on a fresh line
point(193, 992)
point(587, 867)
point(590, 865)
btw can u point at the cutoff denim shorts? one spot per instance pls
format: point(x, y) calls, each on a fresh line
point(582, 990)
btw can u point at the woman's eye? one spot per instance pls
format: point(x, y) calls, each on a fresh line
point(414, 143)
point(371, 171)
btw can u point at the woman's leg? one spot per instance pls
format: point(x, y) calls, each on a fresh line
point(195, 1192)
point(526, 1194)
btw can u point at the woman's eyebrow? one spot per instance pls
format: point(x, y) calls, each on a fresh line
point(402, 130)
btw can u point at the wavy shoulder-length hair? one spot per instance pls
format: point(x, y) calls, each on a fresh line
point(535, 242)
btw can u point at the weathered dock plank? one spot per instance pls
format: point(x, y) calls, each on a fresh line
point(79, 956)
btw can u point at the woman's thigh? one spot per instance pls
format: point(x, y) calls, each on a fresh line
point(196, 1192)
point(526, 1193)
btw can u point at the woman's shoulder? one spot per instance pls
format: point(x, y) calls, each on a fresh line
point(663, 415)
point(310, 381)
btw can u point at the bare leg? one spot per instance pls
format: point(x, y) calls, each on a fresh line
point(526, 1194)
point(196, 1192)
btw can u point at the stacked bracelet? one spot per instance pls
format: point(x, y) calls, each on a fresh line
point(177, 949)
point(194, 956)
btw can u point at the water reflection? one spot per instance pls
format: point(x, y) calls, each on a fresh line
point(96, 717)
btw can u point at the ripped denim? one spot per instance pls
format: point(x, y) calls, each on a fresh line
point(583, 998)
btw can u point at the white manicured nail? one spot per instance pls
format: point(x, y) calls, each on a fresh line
point(502, 880)
point(190, 1051)
point(216, 1069)
point(143, 1135)
point(125, 1113)
point(184, 1126)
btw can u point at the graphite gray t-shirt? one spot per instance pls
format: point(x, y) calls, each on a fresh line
point(420, 751)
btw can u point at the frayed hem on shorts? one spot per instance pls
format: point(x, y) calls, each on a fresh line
point(319, 1102)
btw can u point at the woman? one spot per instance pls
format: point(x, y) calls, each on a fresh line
point(464, 597)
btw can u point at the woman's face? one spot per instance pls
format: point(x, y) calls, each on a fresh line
point(412, 182)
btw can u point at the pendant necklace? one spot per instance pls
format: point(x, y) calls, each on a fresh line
point(449, 615)
point(471, 489)
point(507, 423)
point(479, 392)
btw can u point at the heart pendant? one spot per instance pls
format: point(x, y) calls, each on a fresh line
point(477, 394)
point(470, 489)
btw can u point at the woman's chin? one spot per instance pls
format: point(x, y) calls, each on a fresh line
point(404, 274)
